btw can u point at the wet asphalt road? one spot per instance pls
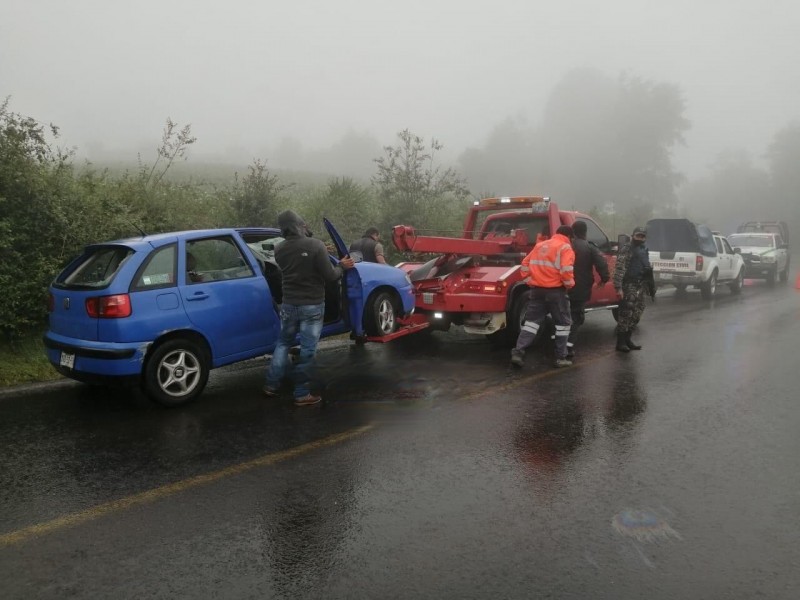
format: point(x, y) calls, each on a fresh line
point(433, 471)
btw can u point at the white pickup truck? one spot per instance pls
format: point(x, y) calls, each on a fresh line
point(765, 255)
point(684, 254)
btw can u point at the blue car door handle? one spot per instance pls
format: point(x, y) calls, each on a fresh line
point(197, 296)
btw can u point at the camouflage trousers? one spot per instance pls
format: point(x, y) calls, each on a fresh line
point(631, 306)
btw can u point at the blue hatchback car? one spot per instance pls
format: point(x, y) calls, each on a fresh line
point(163, 310)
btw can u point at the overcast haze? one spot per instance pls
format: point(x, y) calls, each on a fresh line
point(247, 74)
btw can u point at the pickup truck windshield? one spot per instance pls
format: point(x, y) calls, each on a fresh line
point(751, 240)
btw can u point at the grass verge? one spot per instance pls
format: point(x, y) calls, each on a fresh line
point(24, 361)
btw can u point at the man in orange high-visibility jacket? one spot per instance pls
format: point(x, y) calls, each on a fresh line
point(549, 270)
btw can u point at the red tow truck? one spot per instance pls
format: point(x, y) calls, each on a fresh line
point(475, 280)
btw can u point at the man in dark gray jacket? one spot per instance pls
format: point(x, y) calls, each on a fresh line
point(306, 268)
point(588, 258)
point(370, 246)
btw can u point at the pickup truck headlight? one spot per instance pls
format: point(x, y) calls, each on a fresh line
point(768, 259)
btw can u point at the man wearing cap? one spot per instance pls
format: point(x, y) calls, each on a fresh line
point(633, 264)
point(549, 271)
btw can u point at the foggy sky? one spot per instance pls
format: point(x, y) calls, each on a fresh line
point(246, 74)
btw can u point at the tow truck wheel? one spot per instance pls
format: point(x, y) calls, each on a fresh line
point(380, 315)
point(514, 320)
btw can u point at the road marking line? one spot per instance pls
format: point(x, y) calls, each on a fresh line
point(22, 535)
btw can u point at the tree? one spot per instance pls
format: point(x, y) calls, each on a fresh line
point(174, 144)
point(254, 198)
point(413, 189)
point(735, 191)
point(783, 156)
point(601, 140)
point(346, 203)
point(34, 179)
point(506, 163)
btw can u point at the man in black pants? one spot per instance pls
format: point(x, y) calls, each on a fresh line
point(588, 259)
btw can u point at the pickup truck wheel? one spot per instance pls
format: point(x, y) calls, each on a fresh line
point(784, 276)
point(709, 288)
point(736, 285)
point(771, 275)
point(176, 372)
point(380, 315)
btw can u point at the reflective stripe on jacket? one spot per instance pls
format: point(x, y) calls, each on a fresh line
point(550, 263)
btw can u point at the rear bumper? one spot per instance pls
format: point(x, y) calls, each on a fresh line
point(665, 277)
point(759, 271)
point(95, 360)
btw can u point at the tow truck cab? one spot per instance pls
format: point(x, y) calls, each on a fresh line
point(474, 280)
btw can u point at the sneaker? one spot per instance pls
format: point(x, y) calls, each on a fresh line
point(517, 358)
point(269, 392)
point(562, 362)
point(570, 353)
point(307, 400)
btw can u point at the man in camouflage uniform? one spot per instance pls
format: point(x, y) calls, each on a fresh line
point(630, 283)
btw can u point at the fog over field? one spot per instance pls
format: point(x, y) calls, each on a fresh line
point(279, 79)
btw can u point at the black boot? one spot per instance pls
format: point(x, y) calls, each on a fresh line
point(630, 344)
point(622, 342)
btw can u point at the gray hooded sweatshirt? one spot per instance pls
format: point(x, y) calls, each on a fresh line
point(304, 262)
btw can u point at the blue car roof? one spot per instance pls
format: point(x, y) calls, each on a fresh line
point(159, 239)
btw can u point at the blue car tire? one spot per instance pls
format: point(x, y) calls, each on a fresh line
point(380, 315)
point(176, 372)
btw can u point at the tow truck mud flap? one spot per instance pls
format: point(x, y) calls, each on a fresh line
point(410, 325)
point(484, 323)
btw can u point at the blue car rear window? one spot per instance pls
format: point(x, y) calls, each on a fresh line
point(94, 269)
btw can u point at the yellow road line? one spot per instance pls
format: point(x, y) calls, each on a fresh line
point(22, 535)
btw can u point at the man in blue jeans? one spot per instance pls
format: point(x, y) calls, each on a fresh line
point(306, 268)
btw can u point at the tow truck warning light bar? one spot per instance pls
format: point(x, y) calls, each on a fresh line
point(512, 200)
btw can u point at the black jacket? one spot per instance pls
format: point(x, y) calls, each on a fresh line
point(304, 262)
point(587, 258)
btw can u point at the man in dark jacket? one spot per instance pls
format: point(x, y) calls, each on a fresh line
point(630, 282)
point(588, 259)
point(306, 268)
point(370, 246)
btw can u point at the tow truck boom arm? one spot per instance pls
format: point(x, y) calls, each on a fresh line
point(405, 239)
